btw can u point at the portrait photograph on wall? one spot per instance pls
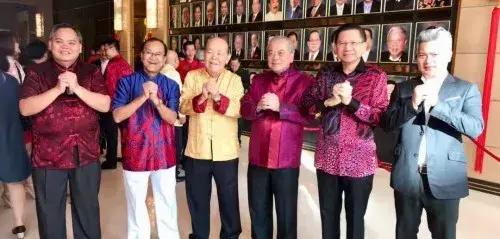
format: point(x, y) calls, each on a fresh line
point(420, 26)
point(399, 5)
point(174, 43)
point(295, 36)
point(368, 6)
point(224, 12)
point(210, 13)
point(185, 15)
point(254, 51)
point(239, 39)
point(316, 8)
point(340, 7)
point(294, 9)
point(197, 39)
point(198, 10)
point(372, 33)
point(427, 4)
point(174, 16)
point(268, 35)
point(314, 44)
point(395, 43)
point(239, 11)
point(255, 13)
point(274, 10)
point(330, 45)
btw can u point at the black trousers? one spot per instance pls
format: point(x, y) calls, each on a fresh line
point(109, 129)
point(442, 214)
point(199, 175)
point(356, 193)
point(263, 184)
point(51, 191)
point(179, 145)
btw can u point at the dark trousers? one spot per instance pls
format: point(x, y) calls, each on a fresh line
point(110, 131)
point(356, 193)
point(199, 175)
point(51, 191)
point(442, 214)
point(263, 184)
point(179, 145)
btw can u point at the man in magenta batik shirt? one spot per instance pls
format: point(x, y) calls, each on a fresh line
point(273, 106)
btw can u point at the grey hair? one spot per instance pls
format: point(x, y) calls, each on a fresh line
point(227, 44)
point(436, 34)
point(57, 27)
point(397, 28)
point(282, 38)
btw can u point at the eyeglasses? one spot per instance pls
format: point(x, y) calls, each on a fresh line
point(353, 44)
point(149, 54)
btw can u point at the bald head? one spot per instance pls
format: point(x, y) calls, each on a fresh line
point(172, 58)
point(219, 43)
point(216, 55)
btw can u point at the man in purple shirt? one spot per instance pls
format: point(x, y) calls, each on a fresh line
point(273, 106)
point(351, 97)
point(146, 103)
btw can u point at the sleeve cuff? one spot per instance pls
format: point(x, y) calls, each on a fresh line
point(199, 108)
point(353, 106)
point(222, 105)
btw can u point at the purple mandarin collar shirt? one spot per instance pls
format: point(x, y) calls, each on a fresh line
point(276, 138)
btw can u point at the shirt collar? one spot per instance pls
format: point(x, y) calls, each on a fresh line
point(71, 68)
point(360, 68)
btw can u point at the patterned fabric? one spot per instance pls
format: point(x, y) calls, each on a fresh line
point(213, 127)
point(68, 121)
point(276, 140)
point(351, 150)
point(148, 141)
point(117, 68)
point(185, 66)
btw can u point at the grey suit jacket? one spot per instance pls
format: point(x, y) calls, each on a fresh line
point(457, 113)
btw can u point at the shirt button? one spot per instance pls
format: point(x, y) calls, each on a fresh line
point(415, 155)
point(421, 133)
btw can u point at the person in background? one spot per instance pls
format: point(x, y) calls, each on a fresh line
point(190, 63)
point(116, 69)
point(63, 96)
point(351, 97)
point(274, 106)
point(146, 103)
point(14, 162)
point(35, 52)
point(235, 66)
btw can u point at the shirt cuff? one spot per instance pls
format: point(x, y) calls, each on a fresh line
point(222, 105)
point(353, 106)
point(199, 108)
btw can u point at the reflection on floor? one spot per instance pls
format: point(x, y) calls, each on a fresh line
point(479, 213)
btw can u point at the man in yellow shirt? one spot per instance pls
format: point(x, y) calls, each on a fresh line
point(211, 99)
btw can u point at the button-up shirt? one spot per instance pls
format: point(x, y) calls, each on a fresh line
point(67, 127)
point(276, 140)
point(213, 126)
point(340, 10)
point(148, 140)
point(367, 7)
point(117, 68)
point(185, 66)
point(351, 150)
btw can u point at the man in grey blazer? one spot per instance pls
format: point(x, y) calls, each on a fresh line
point(432, 112)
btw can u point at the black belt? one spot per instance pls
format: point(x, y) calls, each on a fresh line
point(422, 169)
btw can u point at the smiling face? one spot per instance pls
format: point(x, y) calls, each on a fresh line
point(396, 42)
point(274, 5)
point(238, 42)
point(279, 55)
point(153, 57)
point(65, 46)
point(314, 42)
point(224, 9)
point(350, 46)
point(210, 11)
point(433, 58)
point(197, 13)
point(256, 6)
point(216, 55)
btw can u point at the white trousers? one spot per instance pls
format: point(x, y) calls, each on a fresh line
point(136, 188)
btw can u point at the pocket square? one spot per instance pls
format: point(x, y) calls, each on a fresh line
point(452, 98)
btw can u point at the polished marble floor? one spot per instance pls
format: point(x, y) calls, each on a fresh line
point(479, 213)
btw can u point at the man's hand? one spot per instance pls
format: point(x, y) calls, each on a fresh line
point(61, 85)
point(419, 94)
point(344, 90)
point(332, 101)
point(70, 79)
point(270, 101)
point(213, 89)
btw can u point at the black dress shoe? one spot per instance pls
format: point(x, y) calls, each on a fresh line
point(19, 231)
point(108, 165)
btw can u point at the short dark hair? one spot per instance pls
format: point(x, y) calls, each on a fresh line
point(59, 26)
point(348, 27)
point(153, 39)
point(235, 58)
point(35, 50)
point(292, 34)
point(186, 44)
point(112, 42)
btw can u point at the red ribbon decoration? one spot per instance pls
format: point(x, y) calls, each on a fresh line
point(488, 79)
